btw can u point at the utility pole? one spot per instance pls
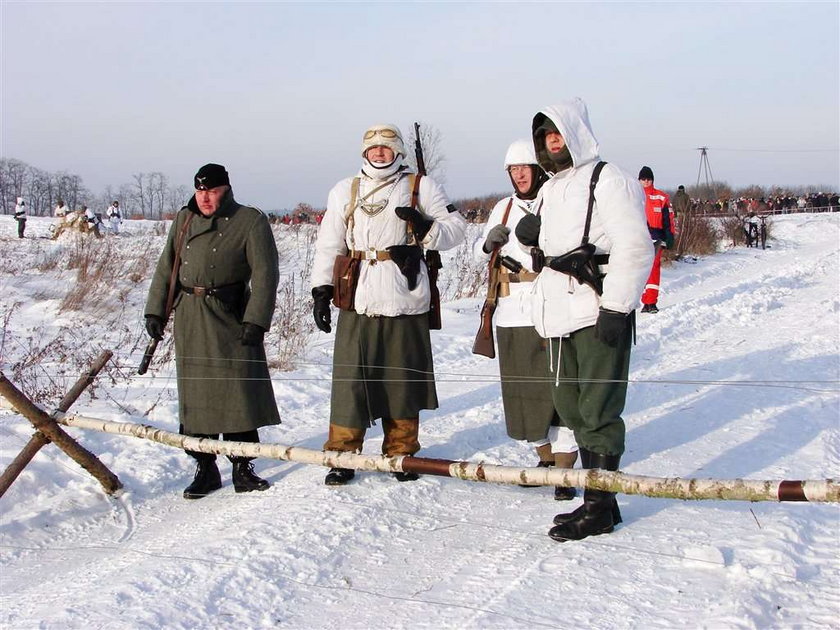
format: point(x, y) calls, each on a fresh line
point(705, 167)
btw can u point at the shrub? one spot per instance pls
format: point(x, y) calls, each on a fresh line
point(696, 236)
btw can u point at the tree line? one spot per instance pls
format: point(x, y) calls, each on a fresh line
point(148, 196)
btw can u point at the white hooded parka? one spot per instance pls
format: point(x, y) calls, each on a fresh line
point(561, 305)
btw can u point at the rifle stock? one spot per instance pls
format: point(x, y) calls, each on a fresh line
point(483, 343)
point(147, 356)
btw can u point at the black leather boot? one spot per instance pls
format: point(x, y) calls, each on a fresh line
point(599, 513)
point(244, 479)
point(339, 476)
point(207, 479)
point(595, 518)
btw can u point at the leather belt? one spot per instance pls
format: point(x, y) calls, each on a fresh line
point(225, 290)
point(370, 254)
point(522, 276)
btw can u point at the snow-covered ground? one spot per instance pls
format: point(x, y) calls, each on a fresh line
point(737, 376)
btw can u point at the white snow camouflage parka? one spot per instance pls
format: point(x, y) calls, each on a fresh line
point(560, 305)
point(513, 310)
point(382, 289)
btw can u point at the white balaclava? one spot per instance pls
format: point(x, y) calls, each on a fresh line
point(383, 136)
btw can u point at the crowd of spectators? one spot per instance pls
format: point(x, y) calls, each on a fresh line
point(776, 204)
point(475, 210)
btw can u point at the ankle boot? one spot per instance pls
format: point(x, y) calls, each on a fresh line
point(244, 479)
point(207, 479)
point(565, 460)
point(339, 476)
point(594, 518)
point(595, 501)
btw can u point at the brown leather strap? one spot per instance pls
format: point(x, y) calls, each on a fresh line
point(176, 263)
point(507, 211)
point(523, 276)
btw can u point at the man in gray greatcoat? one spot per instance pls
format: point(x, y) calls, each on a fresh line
point(224, 298)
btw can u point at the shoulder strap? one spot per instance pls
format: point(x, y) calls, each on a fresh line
point(596, 174)
point(507, 211)
point(176, 263)
point(350, 208)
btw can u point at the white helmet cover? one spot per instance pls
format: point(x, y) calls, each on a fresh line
point(520, 152)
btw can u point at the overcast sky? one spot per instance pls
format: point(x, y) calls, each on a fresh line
point(281, 93)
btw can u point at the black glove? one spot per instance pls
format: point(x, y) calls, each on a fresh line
point(321, 310)
point(496, 237)
point(610, 327)
point(154, 326)
point(252, 335)
point(528, 230)
point(420, 225)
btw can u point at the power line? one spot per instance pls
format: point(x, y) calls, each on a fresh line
point(837, 150)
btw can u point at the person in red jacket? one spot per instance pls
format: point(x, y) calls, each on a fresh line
point(658, 211)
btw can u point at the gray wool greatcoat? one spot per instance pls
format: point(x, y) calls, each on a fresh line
point(223, 386)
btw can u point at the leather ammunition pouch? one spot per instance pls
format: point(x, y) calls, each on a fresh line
point(537, 259)
point(407, 259)
point(345, 278)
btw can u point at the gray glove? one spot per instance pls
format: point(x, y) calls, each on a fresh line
point(496, 237)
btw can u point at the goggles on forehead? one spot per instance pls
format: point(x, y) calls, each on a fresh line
point(385, 133)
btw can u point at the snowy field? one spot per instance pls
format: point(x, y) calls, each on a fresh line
point(737, 376)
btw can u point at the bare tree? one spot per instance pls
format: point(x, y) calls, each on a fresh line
point(138, 196)
point(40, 192)
point(432, 142)
point(151, 194)
point(176, 198)
point(158, 187)
point(13, 177)
point(70, 188)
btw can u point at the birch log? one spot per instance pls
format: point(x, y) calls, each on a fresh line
point(822, 491)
